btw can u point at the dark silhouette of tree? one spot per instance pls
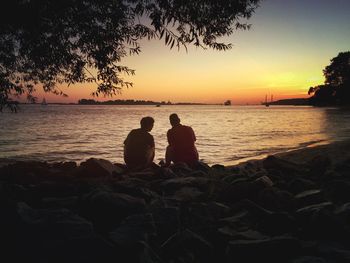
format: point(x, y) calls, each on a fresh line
point(336, 88)
point(50, 42)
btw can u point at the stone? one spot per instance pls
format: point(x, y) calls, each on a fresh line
point(276, 249)
point(286, 167)
point(309, 197)
point(298, 185)
point(319, 164)
point(188, 194)
point(337, 191)
point(97, 168)
point(187, 244)
point(106, 209)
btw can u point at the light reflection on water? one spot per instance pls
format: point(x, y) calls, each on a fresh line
point(224, 134)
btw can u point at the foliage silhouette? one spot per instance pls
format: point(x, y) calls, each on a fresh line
point(46, 43)
point(336, 88)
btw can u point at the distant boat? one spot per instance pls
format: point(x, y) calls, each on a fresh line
point(43, 102)
point(227, 103)
point(267, 104)
point(158, 105)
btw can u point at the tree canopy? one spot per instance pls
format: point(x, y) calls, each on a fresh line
point(336, 88)
point(47, 42)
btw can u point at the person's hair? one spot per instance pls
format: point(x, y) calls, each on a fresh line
point(146, 122)
point(174, 119)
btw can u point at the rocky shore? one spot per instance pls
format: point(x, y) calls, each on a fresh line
point(292, 207)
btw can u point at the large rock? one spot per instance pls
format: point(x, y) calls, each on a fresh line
point(188, 245)
point(309, 197)
point(106, 209)
point(286, 167)
point(98, 168)
point(277, 249)
point(57, 235)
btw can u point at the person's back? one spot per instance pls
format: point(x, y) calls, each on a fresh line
point(181, 139)
point(139, 146)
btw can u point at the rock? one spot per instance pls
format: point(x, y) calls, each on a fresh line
point(319, 222)
point(188, 194)
point(134, 230)
point(180, 169)
point(187, 245)
point(319, 164)
point(309, 197)
point(54, 224)
point(274, 199)
point(338, 191)
point(230, 233)
point(106, 210)
point(289, 168)
point(265, 181)
point(97, 168)
point(298, 185)
point(166, 220)
point(218, 167)
point(64, 166)
point(58, 235)
point(309, 259)
point(240, 190)
point(172, 185)
point(212, 211)
point(277, 224)
point(277, 249)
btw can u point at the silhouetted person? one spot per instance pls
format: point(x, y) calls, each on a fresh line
point(181, 141)
point(139, 146)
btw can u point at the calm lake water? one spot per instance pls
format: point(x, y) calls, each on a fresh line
point(225, 134)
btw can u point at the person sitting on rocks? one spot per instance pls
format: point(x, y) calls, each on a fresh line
point(139, 146)
point(181, 139)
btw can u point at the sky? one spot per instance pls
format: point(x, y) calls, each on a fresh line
point(282, 55)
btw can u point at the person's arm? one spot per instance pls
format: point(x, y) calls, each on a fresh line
point(170, 138)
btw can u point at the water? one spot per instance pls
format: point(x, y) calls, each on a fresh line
point(225, 134)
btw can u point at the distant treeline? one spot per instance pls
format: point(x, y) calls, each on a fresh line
point(132, 102)
point(299, 101)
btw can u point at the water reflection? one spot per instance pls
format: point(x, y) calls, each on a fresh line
point(224, 134)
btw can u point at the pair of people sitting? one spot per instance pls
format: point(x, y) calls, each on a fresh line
point(139, 146)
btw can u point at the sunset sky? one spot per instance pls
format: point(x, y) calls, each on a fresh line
point(283, 54)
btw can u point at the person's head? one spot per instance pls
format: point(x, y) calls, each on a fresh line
point(174, 119)
point(147, 123)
